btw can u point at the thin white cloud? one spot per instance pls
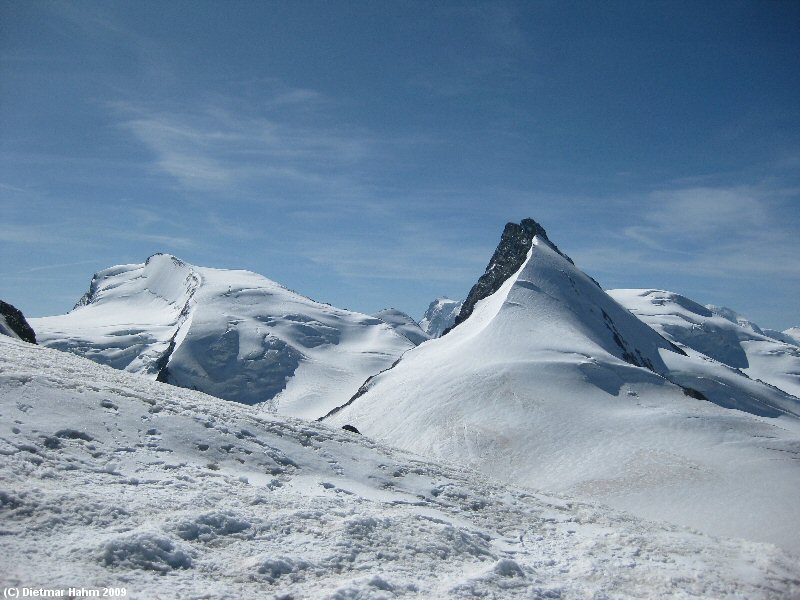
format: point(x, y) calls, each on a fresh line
point(705, 210)
point(722, 233)
point(413, 253)
point(215, 146)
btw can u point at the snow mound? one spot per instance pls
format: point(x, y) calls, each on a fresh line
point(156, 486)
point(208, 527)
point(145, 550)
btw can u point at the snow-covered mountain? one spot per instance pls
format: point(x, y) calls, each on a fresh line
point(789, 336)
point(549, 382)
point(110, 480)
point(403, 324)
point(440, 316)
point(719, 333)
point(793, 333)
point(232, 334)
point(14, 324)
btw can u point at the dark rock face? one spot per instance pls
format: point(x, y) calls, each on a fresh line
point(509, 256)
point(16, 321)
point(350, 428)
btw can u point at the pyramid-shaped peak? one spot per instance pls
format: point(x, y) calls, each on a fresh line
point(510, 255)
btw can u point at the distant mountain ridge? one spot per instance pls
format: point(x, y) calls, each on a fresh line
point(403, 324)
point(233, 334)
point(718, 333)
point(440, 316)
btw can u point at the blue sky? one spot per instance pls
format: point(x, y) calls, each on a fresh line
point(368, 154)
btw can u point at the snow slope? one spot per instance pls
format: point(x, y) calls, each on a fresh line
point(719, 333)
point(403, 324)
point(441, 315)
point(233, 334)
point(550, 383)
point(112, 480)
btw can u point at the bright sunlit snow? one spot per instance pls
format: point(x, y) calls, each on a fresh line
point(109, 479)
point(234, 334)
point(538, 387)
point(718, 333)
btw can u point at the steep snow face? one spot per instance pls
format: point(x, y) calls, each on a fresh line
point(403, 324)
point(129, 315)
point(719, 333)
point(232, 334)
point(112, 480)
point(440, 316)
point(542, 385)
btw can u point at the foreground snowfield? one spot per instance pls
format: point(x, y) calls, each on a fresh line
point(109, 479)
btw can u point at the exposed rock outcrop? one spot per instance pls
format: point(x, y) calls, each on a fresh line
point(13, 323)
point(507, 259)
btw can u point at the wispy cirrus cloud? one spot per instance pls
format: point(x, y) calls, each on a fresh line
point(411, 252)
point(720, 232)
point(217, 145)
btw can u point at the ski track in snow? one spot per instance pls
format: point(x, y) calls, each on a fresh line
point(109, 479)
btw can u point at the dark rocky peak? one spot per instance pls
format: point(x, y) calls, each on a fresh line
point(90, 294)
point(507, 259)
point(15, 321)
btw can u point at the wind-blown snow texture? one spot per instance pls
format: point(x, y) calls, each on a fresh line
point(719, 333)
point(110, 479)
point(440, 316)
point(232, 334)
point(551, 383)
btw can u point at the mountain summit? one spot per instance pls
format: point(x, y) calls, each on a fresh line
point(550, 383)
point(508, 257)
point(233, 334)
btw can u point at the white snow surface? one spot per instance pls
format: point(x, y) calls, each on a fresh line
point(109, 479)
point(719, 333)
point(440, 315)
point(233, 334)
point(533, 388)
point(403, 324)
point(790, 336)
